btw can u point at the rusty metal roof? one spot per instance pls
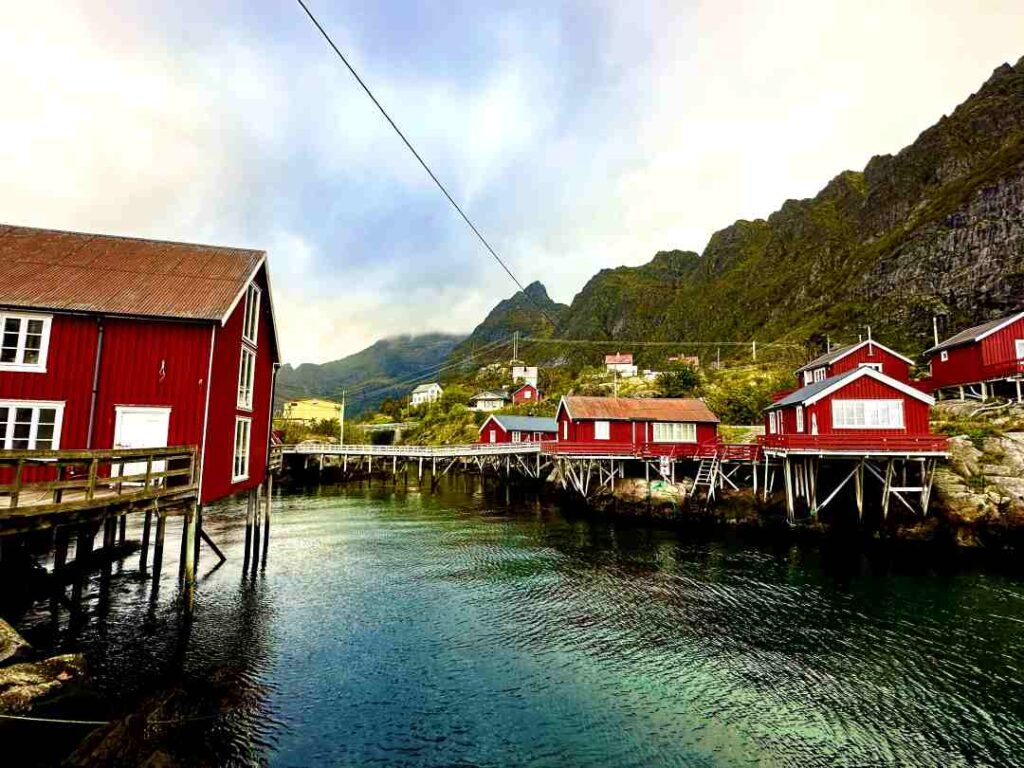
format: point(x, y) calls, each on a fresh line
point(618, 359)
point(77, 272)
point(638, 409)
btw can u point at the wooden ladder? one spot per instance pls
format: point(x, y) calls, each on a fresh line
point(707, 476)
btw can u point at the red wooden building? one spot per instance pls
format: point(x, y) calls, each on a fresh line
point(116, 342)
point(860, 408)
point(980, 359)
point(651, 426)
point(502, 428)
point(864, 354)
point(525, 394)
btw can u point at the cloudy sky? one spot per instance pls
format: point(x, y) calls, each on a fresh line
point(577, 135)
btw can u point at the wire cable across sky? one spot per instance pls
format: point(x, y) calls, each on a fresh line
point(422, 162)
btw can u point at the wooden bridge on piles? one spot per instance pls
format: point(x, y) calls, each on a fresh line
point(584, 468)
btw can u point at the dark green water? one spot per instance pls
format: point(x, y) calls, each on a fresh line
point(457, 629)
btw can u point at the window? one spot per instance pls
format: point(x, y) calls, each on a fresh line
point(24, 342)
point(1019, 346)
point(565, 430)
point(29, 426)
point(819, 374)
point(867, 414)
point(807, 378)
point(799, 418)
point(602, 430)
point(674, 432)
point(944, 355)
point(517, 437)
point(246, 368)
point(872, 366)
point(493, 435)
point(528, 395)
point(773, 422)
point(240, 469)
point(251, 319)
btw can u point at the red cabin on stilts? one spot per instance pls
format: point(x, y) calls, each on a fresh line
point(114, 342)
point(980, 360)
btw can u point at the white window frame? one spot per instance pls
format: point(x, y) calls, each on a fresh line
point(944, 355)
point(674, 432)
point(246, 378)
point(818, 374)
point(517, 436)
point(868, 414)
point(238, 452)
point(773, 422)
point(1018, 346)
point(799, 418)
point(872, 366)
point(251, 314)
point(528, 394)
point(19, 363)
point(565, 430)
point(7, 428)
point(602, 430)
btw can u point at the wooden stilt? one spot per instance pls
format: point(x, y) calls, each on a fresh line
point(859, 489)
point(189, 537)
point(787, 471)
point(198, 534)
point(158, 545)
point(60, 549)
point(256, 528)
point(266, 515)
point(248, 530)
point(146, 530)
point(886, 486)
point(122, 525)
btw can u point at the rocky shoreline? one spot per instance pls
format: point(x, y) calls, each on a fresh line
point(26, 681)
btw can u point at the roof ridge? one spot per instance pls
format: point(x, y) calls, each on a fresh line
point(135, 238)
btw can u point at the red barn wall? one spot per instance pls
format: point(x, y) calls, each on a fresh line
point(220, 434)
point(964, 366)
point(501, 435)
point(624, 432)
point(891, 365)
point(999, 349)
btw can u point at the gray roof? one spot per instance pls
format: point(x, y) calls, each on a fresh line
point(527, 423)
point(425, 387)
point(971, 334)
point(827, 358)
point(804, 393)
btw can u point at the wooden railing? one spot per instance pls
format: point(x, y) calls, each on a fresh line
point(859, 443)
point(42, 482)
point(412, 451)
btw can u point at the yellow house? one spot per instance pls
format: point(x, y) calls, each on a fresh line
point(309, 410)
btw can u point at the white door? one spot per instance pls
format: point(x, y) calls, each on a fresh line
point(139, 427)
point(1019, 344)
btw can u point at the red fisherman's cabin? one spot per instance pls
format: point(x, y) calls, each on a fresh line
point(517, 429)
point(860, 410)
point(525, 395)
point(639, 426)
point(115, 342)
point(980, 360)
point(865, 354)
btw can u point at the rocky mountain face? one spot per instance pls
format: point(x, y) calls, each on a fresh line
point(531, 312)
point(382, 370)
point(937, 229)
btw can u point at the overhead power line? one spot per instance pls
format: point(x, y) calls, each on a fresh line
point(422, 162)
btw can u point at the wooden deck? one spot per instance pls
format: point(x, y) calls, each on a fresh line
point(40, 489)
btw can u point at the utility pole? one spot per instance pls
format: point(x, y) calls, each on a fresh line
point(753, 350)
point(935, 329)
point(341, 420)
point(515, 347)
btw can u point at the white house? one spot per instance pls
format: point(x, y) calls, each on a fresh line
point(621, 365)
point(487, 402)
point(525, 374)
point(427, 393)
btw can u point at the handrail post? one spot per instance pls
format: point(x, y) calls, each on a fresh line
point(90, 488)
point(149, 472)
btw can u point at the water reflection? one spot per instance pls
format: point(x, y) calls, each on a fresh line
point(470, 627)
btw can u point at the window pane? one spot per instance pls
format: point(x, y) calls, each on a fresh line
point(47, 416)
point(9, 341)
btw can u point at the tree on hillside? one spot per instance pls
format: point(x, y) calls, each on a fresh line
point(679, 381)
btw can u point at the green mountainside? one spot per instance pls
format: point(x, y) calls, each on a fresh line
point(531, 312)
point(937, 229)
point(382, 370)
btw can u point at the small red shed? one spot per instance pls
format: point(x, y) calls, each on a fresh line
point(117, 342)
point(659, 426)
point(979, 356)
point(526, 394)
point(860, 409)
point(864, 354)
point(517, 429)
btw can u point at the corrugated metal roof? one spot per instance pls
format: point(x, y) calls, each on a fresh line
point(73, 271)
point(804, 393)
point(973, 333)
point(647, 409)
point(527, 423)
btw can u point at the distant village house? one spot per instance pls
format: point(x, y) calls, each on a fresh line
point(621, 365)
point(525, 374)
point(427, 393)
point(487, 402)
point(310, 410)
point(527, 393)
point(518, 429)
